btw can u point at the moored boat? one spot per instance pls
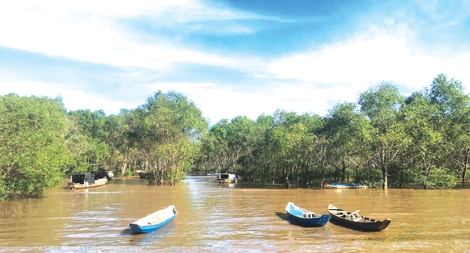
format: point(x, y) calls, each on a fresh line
point(226, 178)
point(356, 221)
point(154, 221)
point(305, 218)
point(142, 174)
point(345, 186)
point(87, 180)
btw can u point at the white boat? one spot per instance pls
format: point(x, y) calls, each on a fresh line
point(227, 178)
point(87, 180)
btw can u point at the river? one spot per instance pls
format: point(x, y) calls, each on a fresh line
point(232, 218)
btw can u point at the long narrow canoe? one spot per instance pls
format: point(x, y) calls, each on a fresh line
point(356, 221)
point(345, 186)
point(154, 221)
point(305, 218)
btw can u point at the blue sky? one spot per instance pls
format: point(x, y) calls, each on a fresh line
point(231, 58)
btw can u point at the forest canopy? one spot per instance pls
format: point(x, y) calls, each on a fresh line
point(384, 139)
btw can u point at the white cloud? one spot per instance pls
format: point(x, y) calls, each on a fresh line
point(364, 61)
point(217, 102)
point(73, 97)
point(90, 31)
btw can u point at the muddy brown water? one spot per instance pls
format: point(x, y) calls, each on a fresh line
point(232, 218)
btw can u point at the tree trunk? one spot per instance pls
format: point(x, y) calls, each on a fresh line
point(384, 170)
point(464, 173)
point(343, 176)
point(123, 168)
point(385, 176)
point(465, 166)
point(161, 171)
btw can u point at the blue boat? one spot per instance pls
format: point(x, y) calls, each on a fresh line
point(154, 221)
point(305, 218)
point(345, 186)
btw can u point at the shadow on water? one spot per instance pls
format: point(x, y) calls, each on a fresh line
point(281, 215)
point(151, 238)
point(126, 231)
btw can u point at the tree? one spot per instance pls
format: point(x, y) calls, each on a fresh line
point(32, 147)
point(168, 129)
point(451, 118)
point(257, 164)
point(87, 135)
point(418, 160)
point(343, 128)
point(381, 105)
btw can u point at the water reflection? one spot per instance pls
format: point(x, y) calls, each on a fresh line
point(232, 218)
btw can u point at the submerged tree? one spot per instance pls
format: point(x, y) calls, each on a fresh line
point(452, 119)
point(168, 129)
point(381, 104)
point(343, 130)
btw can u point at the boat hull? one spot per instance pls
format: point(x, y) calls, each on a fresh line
point(145, 225)
point(137, 229)
point(142, 174)
point(305, 218)
point(341, 217)
point(87, 180)
point(346, 186)
point(99, 182)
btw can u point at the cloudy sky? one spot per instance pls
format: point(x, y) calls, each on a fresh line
point(230, 57)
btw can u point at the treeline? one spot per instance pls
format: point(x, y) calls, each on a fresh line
point(41, 143)
point(385, 139)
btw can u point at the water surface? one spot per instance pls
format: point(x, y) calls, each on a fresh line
point(232, 218)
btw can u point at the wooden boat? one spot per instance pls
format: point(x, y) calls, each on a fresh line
point(87, 180)
point(305, 218)
point(226, 178)
point(356, 221)
point(154, 221)
point(345, 186)
point(142, 174)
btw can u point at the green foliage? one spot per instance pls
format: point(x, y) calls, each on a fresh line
point(383, 139)
point(4, 189)
point(440, 178)
point(86, 137)
point(151, 177)
point(33, 150)
point(386, 136)
point(404, 177)
point(117, 173)
point(168, 128)
point(368, 176)
point(127, 173)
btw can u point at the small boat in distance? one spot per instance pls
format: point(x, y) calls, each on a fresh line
point(355, 221)
point(142, 174)
point(154, 221)
point(305, 218)
point(345, 186)
point(226, 178)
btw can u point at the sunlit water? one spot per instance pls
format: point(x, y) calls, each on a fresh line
point(232, 218)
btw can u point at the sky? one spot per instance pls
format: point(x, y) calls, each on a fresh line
point(230, 57)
